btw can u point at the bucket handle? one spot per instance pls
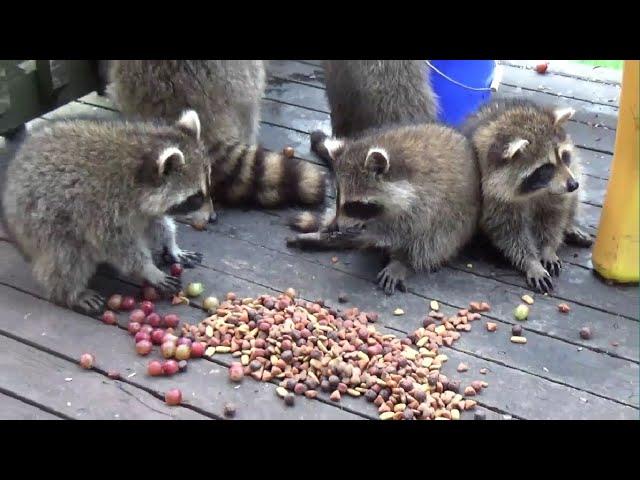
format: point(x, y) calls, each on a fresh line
point(497, 76)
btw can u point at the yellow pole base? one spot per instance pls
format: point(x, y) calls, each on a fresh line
point(615, 253)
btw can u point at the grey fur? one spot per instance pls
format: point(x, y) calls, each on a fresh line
point(225, 93)
point(370, 94)
point(80, 192)
point(429, 197)
point(527, 227)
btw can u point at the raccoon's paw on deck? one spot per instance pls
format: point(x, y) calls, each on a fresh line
point(539, 279)
point(393, 277)
point(90, 303)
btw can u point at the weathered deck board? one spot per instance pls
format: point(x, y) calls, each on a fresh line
point(270, 231)
point(40, 377)
point(14, 409)
point(267, 267)
point(206, 386)
point(573, 70)
point(599, 407)
point(562, 86)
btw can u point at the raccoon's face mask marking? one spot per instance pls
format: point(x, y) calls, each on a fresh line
point(362, 210)
point(191, 204)
point(553, 177)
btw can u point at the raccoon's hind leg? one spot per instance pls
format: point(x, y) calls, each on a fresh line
point(573, 234)
point(394, 275)
point(65, 278)
point(166, 231)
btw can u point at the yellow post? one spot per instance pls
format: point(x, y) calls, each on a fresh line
point(615, 253)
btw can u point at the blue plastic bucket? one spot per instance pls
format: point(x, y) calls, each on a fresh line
point(462, 86)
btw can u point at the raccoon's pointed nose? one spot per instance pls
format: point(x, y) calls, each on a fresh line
point(572, 185)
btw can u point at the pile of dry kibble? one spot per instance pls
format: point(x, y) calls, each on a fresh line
point(310, 347)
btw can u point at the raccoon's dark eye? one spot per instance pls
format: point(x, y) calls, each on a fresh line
point(566, 157)
point(538, 179)
point(362, 210)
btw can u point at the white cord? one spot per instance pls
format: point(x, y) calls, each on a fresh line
point(457, 83)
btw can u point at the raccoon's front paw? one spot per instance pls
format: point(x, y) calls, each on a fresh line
point(391, 277)
point(90, 303)
point(539, 279)
point(551, 263)
point(575, 236)
point(169, 285)
point(190, 259)
point(186, 258)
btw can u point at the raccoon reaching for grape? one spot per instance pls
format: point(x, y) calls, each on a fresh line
point(413, 192)
point(530, 183)
point(83, 192)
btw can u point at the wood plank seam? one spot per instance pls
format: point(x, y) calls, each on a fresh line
point(99, 370)
point(37, 405)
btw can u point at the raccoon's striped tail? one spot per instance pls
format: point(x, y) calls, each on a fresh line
point(307, 222)
point(249, 174)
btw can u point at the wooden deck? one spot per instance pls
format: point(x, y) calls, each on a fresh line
point(556, 375)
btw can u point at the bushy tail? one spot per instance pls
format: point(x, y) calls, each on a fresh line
point(249, 174)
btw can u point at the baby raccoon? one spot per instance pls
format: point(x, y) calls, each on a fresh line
point(368, 94)
point(530, 177)
point(79, 193)
point(412, 191)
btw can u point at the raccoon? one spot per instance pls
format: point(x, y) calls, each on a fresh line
point(79, 193)
point(412, 191)
point(366, 94)
point(530, 178)
point(227, 95)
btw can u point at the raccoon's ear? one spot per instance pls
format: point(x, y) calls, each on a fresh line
point(190, 122)
point(377, 161)
point(169, 159)
point(514, 147)
point(561, 115)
